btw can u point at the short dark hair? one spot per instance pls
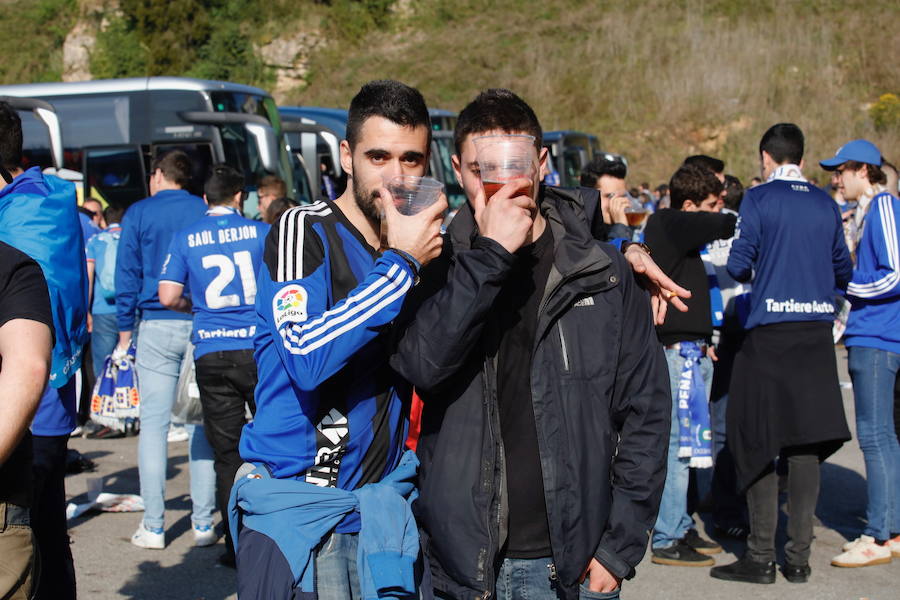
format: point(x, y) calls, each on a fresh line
point(278, 207)
point(10, 137)
point(783, 142)
point(695, 183)
point(707, 162)
point(874, 173)
point(175, 166)
point(274, 183)
point(223, 183)
point(497, 109)
point(606, 163)
point(395, 101)
point(114, 213)
point(734, 192)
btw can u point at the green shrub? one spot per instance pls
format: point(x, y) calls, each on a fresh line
point(886, 113)
point(31, 39)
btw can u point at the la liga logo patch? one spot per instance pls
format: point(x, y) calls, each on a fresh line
point(289, 304)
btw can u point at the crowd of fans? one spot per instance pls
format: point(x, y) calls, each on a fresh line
point(680, 367)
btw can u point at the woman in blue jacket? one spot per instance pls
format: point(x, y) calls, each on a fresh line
point(873, 340)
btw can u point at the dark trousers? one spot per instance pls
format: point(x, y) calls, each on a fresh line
point(226, 380)
point(48, 518)
point(762, 502)
point(729, 505)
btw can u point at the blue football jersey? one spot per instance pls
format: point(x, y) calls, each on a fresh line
point(329, 409)
point(219, 259)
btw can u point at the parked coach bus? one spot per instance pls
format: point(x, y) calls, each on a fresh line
point(112, 129)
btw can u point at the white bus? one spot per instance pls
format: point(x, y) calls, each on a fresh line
point(112, 129)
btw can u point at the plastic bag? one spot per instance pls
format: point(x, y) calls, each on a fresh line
point(187, 408)
point(116, 401)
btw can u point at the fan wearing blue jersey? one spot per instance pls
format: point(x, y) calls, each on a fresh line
point(873, 344)
point(218, 258)
point(331, 414)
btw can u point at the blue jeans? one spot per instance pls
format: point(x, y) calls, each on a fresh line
point(161, 347)
point(529, 579)
point(336, 574)
point(673, 521)
point(873, 372)
point(104, 338)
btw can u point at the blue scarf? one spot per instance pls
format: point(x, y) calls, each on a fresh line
point(716, 305)
point(694, 434)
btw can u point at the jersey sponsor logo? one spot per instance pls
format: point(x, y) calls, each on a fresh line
point(290, 304)
point(793, 306)
point(221, 332)
point(331, 440)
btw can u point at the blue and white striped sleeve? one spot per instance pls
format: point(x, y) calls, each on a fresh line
point(313, 338)
point(881, 280)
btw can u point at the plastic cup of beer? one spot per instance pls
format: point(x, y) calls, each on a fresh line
point(502, 158)
point(411, 195)
point(635, 216)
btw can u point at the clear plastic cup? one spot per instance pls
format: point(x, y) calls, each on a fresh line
point(502, 158)
point(411, 195)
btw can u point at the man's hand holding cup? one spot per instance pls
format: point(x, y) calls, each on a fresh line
point(418, 233)
point(508, 217)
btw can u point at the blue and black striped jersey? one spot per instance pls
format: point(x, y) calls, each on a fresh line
point(327, 403)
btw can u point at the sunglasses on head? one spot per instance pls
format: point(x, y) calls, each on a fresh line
point(615, 158)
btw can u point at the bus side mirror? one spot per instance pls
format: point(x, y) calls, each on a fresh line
point(264, 137)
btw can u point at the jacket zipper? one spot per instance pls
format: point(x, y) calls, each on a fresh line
point(489, 563)
point(562, 343)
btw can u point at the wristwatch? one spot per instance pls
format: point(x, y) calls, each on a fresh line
point(641, 245)
point(412, 262)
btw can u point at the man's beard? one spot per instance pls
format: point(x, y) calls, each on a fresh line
point(366, 201)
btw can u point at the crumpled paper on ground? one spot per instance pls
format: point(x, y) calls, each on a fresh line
point(104, 501)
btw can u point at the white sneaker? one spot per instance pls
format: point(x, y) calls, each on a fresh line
point(204, 536)
point(863, 552)
point(894, 545)
point(145, 538)
point(177, 433)
point(853, 543)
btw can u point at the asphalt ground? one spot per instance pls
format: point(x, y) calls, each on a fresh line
point(108, 566)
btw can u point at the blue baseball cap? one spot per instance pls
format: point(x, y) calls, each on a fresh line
point(858, 150)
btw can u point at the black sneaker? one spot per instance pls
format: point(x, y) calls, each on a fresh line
point(680, 555)
point(735, 530)
point(746, 570)
point(796, 573)
point(693, 539)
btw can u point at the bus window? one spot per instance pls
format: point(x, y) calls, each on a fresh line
point(201, 161)
point(240, 150)
point(115, 174)
point(240, 103)
point(36, 146)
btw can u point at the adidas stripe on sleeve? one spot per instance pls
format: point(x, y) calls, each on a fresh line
point(315, 335)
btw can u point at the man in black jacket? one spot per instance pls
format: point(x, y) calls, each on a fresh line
point(677, 235)
point(546, 401)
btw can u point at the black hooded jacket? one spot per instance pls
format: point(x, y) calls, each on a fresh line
point(600, 394)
